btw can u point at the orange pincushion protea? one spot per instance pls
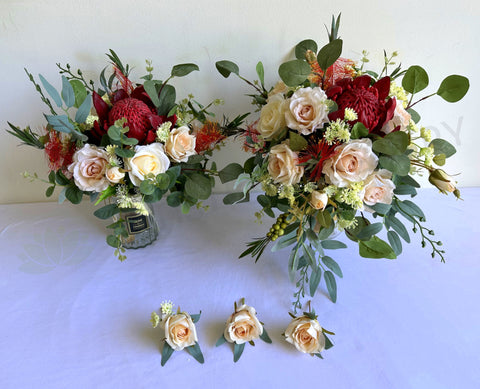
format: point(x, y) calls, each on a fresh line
point(207, 137)
point(342, 68)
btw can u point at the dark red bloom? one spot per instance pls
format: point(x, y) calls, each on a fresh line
point(317, 150)
point(369, 102)
point(132, 104)
point(59, 152)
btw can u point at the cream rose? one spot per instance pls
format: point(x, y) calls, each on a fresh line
point(180, 144)
point(283, 165)
point(147, 159)
point(318, 200)
point(180, 331)
point(307, 110)
point(88, 168)
point(400, 118)
point(272, 117)
point(306, 335)
point(243, 326)
point(352, 162)
point(114, 175)
point(378, 188)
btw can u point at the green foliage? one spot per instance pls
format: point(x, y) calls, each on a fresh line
point(261, 73)
point(79, 91)
point(51, 91)
point(368, 231)
point(166, 99)
point(315, 278)
point(331, 244)
point(414, 114)
point(198, 186)
point(329, 53)
point(107, 211)
point(453, 88)
point(225, 68)
point(397, 164)
point(233, 198)
point(415, 79)
point(302, 47)
point(175, 199)
point(332, 265)
point(220, 341)
point(230, 172)
point(395, 143)
point(27, 136)
point(395, 242)
point(331, 285)
point(73, 194)
point(183, 69)
point(376, 248)
point(441, 146)
point(150, 87)
point(295, 72)
point(237, 351)
point(297, 142)
point(359, 131)
point(167, 352)
point(68, 95)
point(196, 352)
point(84, 109)
point(264, 336)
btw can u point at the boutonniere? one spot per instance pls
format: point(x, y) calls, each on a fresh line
point(241, 327)
point(180, 331)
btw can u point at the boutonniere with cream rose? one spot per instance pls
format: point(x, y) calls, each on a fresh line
point(307, 335)
point(180, 331)
point(128, 144)
point(243, 326)
point(336, 148)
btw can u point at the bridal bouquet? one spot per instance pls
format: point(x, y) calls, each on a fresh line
point(125, 143)
point(335, 149)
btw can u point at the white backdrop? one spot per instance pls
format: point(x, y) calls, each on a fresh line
point(441, 36)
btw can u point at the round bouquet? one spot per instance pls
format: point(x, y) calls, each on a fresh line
point(126, 143)
point(336, 148)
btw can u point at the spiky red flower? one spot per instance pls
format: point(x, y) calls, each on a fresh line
point(133, 104)
point(371, 103)
point(208, 137)
point(318, 150)
point(253, 142)
point(59, 151)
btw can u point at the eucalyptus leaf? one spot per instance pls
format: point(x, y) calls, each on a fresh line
point(73, 194)
point(220, 341)
point(237, 351)
point(233, 198)
point(441, 146)
point(166, 99)
point(225, 68)
point(394, 143)
point(84, 109)
point(332, 265)
point(331, 285)
point(198, 186)
point(359, 131)
point(315, 278)
point(230, 172)
point(183, 69)
point(414, 114)
point(329, 53)
point(175, 199)
point(453, 88)
point(395, 242)
point(297, 142)
point(151, 89)
point(107, 211)
point(264, 336)
point(397, 164)
point(415, 79)
point(331, 244)
point(260, 72)
point(302, 47)
point(376, 248)
point(196, 352)
point(79, 91)
point(295, 72)
point(51, 91)
point(68, 95)
point(367, 232)
point(167, 352)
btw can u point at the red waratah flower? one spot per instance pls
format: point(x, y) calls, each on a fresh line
point(342, 68)
point(207, 137)
point(136, 107)
point(369, 102)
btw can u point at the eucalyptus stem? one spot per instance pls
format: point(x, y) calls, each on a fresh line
point(39, 90)
point(410, 105)
point(72, 76)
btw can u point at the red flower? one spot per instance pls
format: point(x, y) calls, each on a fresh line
point(317, 150)
point(342, 68)
point(369, 102)
point(59, 152)
point(207, 137)
point(136, 107)
point(253, 142)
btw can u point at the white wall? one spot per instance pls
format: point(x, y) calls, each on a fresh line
point(442, 36)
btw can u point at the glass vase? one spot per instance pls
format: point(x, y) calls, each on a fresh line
point(142, 229)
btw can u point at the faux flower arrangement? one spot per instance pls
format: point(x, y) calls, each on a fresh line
point(241, 327)
point(127, 142)
point(180, 332)
point(336, 147)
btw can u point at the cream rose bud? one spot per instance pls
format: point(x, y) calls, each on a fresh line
point(243, 326)
point(147, 159)
point(307, 110)
point(272, 117)
point(352, 162)
point(180, 331)
point(88, 169)
point(283, 165)
point(318, 200)
point(400, 118)
point(442, 181)
point(306, 335)
point(379, 188)
point(180, 144)
point(114, 175)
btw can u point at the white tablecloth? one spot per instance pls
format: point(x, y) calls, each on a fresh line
point(75, 317)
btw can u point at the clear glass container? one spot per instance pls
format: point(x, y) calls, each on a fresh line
point(142, 230)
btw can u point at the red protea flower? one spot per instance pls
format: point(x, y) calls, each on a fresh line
point(369, 102)
point(59, 151)
point(342, 68)
point(208, 137)
point(133, 104)
point(317, 150)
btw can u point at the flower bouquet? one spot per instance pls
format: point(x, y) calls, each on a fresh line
point(126, 143)
point(335, 149)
